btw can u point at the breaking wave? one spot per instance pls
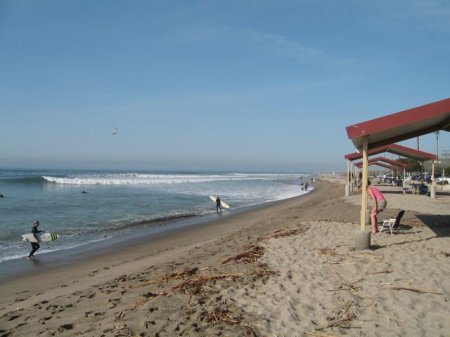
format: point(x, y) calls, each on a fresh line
point(155, 179)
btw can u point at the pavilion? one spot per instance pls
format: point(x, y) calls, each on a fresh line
point(393, 128)
point(397, 149)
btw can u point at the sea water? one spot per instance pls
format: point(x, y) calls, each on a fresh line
point(84, 207)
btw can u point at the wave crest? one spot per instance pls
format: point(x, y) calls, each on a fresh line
point(151, 179)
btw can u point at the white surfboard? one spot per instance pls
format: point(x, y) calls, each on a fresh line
point(44, 237)
point(223, 204)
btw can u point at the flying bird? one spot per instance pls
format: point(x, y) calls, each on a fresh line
point(115, 132)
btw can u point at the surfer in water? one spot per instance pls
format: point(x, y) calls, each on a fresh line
point(35, 245)
point(218, 205)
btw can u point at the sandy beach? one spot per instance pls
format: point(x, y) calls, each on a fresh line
point(287, 269)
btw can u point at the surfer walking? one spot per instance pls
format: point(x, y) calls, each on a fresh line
point(35, 245)
point(218, 205)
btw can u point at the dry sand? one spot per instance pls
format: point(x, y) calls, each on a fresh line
point(288, 269)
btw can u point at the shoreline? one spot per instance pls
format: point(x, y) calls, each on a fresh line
point(288, 269)
point(95, 206)
point(21, 267)
point(105, 253)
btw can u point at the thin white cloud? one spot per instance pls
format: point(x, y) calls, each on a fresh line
point(283, 46)
point(266, 43)
point(204, 29)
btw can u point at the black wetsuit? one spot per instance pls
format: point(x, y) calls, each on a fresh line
point(34, 245)
point(218, 205)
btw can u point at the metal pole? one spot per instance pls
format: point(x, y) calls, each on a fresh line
point(437, 144)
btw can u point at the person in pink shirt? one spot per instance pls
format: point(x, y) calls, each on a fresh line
point(378, 205)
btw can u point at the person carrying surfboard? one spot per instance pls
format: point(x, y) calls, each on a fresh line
point(218, 205)
point(35, 245)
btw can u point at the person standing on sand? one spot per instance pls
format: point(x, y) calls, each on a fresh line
point(35, 245)
point(218, 205)
point(378, 205)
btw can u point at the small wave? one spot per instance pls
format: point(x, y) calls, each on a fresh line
point(25, 254)
point(129, 180)
point(24, 180)
point(12, 257)
point(157, 220)
point(98, 229)
point(154, 179)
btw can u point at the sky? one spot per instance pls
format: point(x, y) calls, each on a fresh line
point(212, 85)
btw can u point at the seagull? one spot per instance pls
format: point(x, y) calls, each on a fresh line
point(115, 132)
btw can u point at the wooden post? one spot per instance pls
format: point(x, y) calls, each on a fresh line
point(349, 172)
point(365, 174)
point(348, 185)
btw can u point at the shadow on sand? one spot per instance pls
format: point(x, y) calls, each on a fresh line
point(439, 224)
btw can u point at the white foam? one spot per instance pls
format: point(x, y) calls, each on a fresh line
point(157, 179)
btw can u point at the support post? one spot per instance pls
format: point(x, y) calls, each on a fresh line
point(362, 237)
point(403, 180)
point(349, 180)
point(432, 171)
point(365, 176)
point(433, 182)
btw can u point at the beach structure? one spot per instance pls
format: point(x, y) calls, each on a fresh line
point(372, 134)
point(389, 164)
point(376, 163)
point(397, 149)
point(383, 162)
point(386, 163)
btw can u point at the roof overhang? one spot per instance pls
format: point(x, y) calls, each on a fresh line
point(391, 162)
point(401, 125)
point(384, 162)
point(375, 163)
point(395, 149)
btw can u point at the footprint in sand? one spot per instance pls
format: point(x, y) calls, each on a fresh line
point(43, 320)
point(66, 326)
point(114, 302)
point(4, 333)
point(93, 273)
point(89, 295)
point(91, 314)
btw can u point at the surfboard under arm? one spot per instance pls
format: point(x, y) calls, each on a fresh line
point(44, 237)
point(222, 204)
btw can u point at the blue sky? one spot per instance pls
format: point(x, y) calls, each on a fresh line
point(225, 85)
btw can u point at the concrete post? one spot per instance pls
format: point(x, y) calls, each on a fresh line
point(362, 240)
point(433, 191)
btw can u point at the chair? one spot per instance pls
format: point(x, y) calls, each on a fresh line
point(392, 223)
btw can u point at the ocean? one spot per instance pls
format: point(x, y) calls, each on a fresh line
point(85, 206)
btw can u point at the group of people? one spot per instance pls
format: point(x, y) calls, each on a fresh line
point(304, 184)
